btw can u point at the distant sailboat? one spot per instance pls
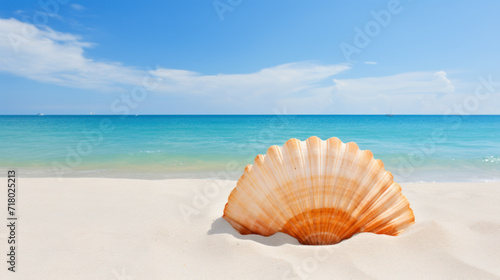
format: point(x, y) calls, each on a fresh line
point(390, 114)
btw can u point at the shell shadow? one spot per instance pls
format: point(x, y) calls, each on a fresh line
point(221, 226)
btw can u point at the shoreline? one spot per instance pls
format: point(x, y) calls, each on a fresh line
point(221, 175)
point(97, 228)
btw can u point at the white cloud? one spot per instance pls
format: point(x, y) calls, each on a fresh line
point(45, 55)
point(59, 58)
point(405, 83)
point(258, 92)
point(370, 62)
point(282, 79)
point(406, 93)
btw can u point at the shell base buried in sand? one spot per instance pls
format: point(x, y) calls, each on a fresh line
point(320, 192)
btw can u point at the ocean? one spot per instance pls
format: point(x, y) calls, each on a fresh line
point(413, 148)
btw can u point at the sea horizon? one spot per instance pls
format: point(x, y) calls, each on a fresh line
point(415, 148)
point(133, 115)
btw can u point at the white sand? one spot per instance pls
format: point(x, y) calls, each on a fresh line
point(134, 229)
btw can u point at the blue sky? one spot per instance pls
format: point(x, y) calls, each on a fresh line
point(249, 57)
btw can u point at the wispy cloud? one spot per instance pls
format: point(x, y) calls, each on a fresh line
point(370, 62)
point(59, 58)
point(405, 83)
point(413, 92)
point(258, 92)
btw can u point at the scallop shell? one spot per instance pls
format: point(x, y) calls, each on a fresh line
point(319, 192)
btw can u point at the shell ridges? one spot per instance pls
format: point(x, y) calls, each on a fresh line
point(319, 192)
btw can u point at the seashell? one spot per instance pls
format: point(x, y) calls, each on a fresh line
point(319, 192)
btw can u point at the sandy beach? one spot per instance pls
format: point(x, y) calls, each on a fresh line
point(96, 228)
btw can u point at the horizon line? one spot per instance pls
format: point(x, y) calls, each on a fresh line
point(135, 115)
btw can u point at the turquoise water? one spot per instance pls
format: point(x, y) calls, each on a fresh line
point(413, 148)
